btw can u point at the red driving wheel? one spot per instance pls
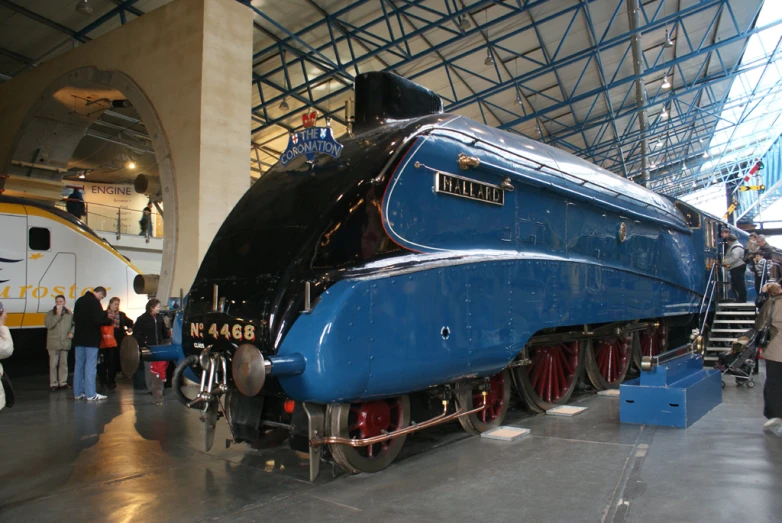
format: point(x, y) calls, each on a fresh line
point(608, 360)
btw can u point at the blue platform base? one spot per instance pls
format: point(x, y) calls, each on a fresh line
point(676, 394)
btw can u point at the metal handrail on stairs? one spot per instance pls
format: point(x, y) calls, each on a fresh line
point(708, 297)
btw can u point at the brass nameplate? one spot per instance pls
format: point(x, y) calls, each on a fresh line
point(470, 189)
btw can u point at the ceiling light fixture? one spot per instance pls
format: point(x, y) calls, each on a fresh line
point(84, 8)
point(82, 175)
point(668, 42)
point(664, 113)
point(489, 57)
point(518, 99)
point(284, 105)
point(463, 23)
point(705, 154)
point(130, 164)
point(666, 84)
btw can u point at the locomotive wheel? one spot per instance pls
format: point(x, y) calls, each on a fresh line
point(497, 400)
point(652, 341)
point(365, 420)
point(607, 360)
point(551, 377)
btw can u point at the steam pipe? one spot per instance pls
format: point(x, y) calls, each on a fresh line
point(641, 98)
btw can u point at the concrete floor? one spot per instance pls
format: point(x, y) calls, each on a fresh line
point(128, 460)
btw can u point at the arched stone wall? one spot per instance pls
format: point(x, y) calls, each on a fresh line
point(187, 68)
point(65, 139)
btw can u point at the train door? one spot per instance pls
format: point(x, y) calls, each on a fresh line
point(59, 277)
point(13, 269)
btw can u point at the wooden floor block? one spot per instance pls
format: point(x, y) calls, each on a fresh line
point(614, 393)
point(506, 433)
point(566, 410)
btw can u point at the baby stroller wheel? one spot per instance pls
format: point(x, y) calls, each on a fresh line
point(723, 384)
point(751, 384)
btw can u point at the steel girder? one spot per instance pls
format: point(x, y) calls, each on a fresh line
point(598, 123)
point(701, 74)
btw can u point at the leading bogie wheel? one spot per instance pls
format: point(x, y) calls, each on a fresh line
point(497, 400)
point(607, 360)
point(365, 420)
point(551, 376)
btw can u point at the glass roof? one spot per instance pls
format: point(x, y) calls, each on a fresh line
point(751, 119)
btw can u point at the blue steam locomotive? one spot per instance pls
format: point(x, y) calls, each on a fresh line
point(421, 269)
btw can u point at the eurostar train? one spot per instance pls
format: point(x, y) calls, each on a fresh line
point(45, 252)
point(413, 278)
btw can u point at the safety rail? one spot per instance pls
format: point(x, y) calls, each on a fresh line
point(708, 297)
point(120, 220)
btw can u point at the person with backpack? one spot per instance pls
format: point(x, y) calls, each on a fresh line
point(734, 261)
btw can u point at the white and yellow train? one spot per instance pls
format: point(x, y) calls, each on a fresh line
point(45, 252)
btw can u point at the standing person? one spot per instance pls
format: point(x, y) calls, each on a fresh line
point(772, 389)
point(734, 261)
point(6, 349)
point(761, 266)
point(150, 329)
point(764, 249)
point(88, 316)
point(75, 204)
point(59, 333)
point(107, 371)
point(146, 220)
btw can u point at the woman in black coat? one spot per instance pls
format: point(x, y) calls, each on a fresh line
point(108, 368)
point(150, 329)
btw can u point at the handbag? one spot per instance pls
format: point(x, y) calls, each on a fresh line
point(765, 334)
point(10, 398)
point(107, 339)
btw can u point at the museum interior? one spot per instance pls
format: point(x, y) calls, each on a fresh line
point(390, 260)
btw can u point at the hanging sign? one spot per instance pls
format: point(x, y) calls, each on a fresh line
point(309, 119)
point(309, 142)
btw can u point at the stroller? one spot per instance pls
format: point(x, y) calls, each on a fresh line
point(741, 360)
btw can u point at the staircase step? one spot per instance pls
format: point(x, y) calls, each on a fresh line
point(711, 358)
point(728, 340)
point(736, 322)
point(735, 313)
point(718, 349)
point(748, 305)
point(728, 330)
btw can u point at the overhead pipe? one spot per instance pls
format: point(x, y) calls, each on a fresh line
point(641, 98)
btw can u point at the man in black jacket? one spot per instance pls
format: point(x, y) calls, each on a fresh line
point(88, 316)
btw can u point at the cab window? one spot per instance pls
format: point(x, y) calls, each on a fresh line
point(690, 215)
point(39, 239)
